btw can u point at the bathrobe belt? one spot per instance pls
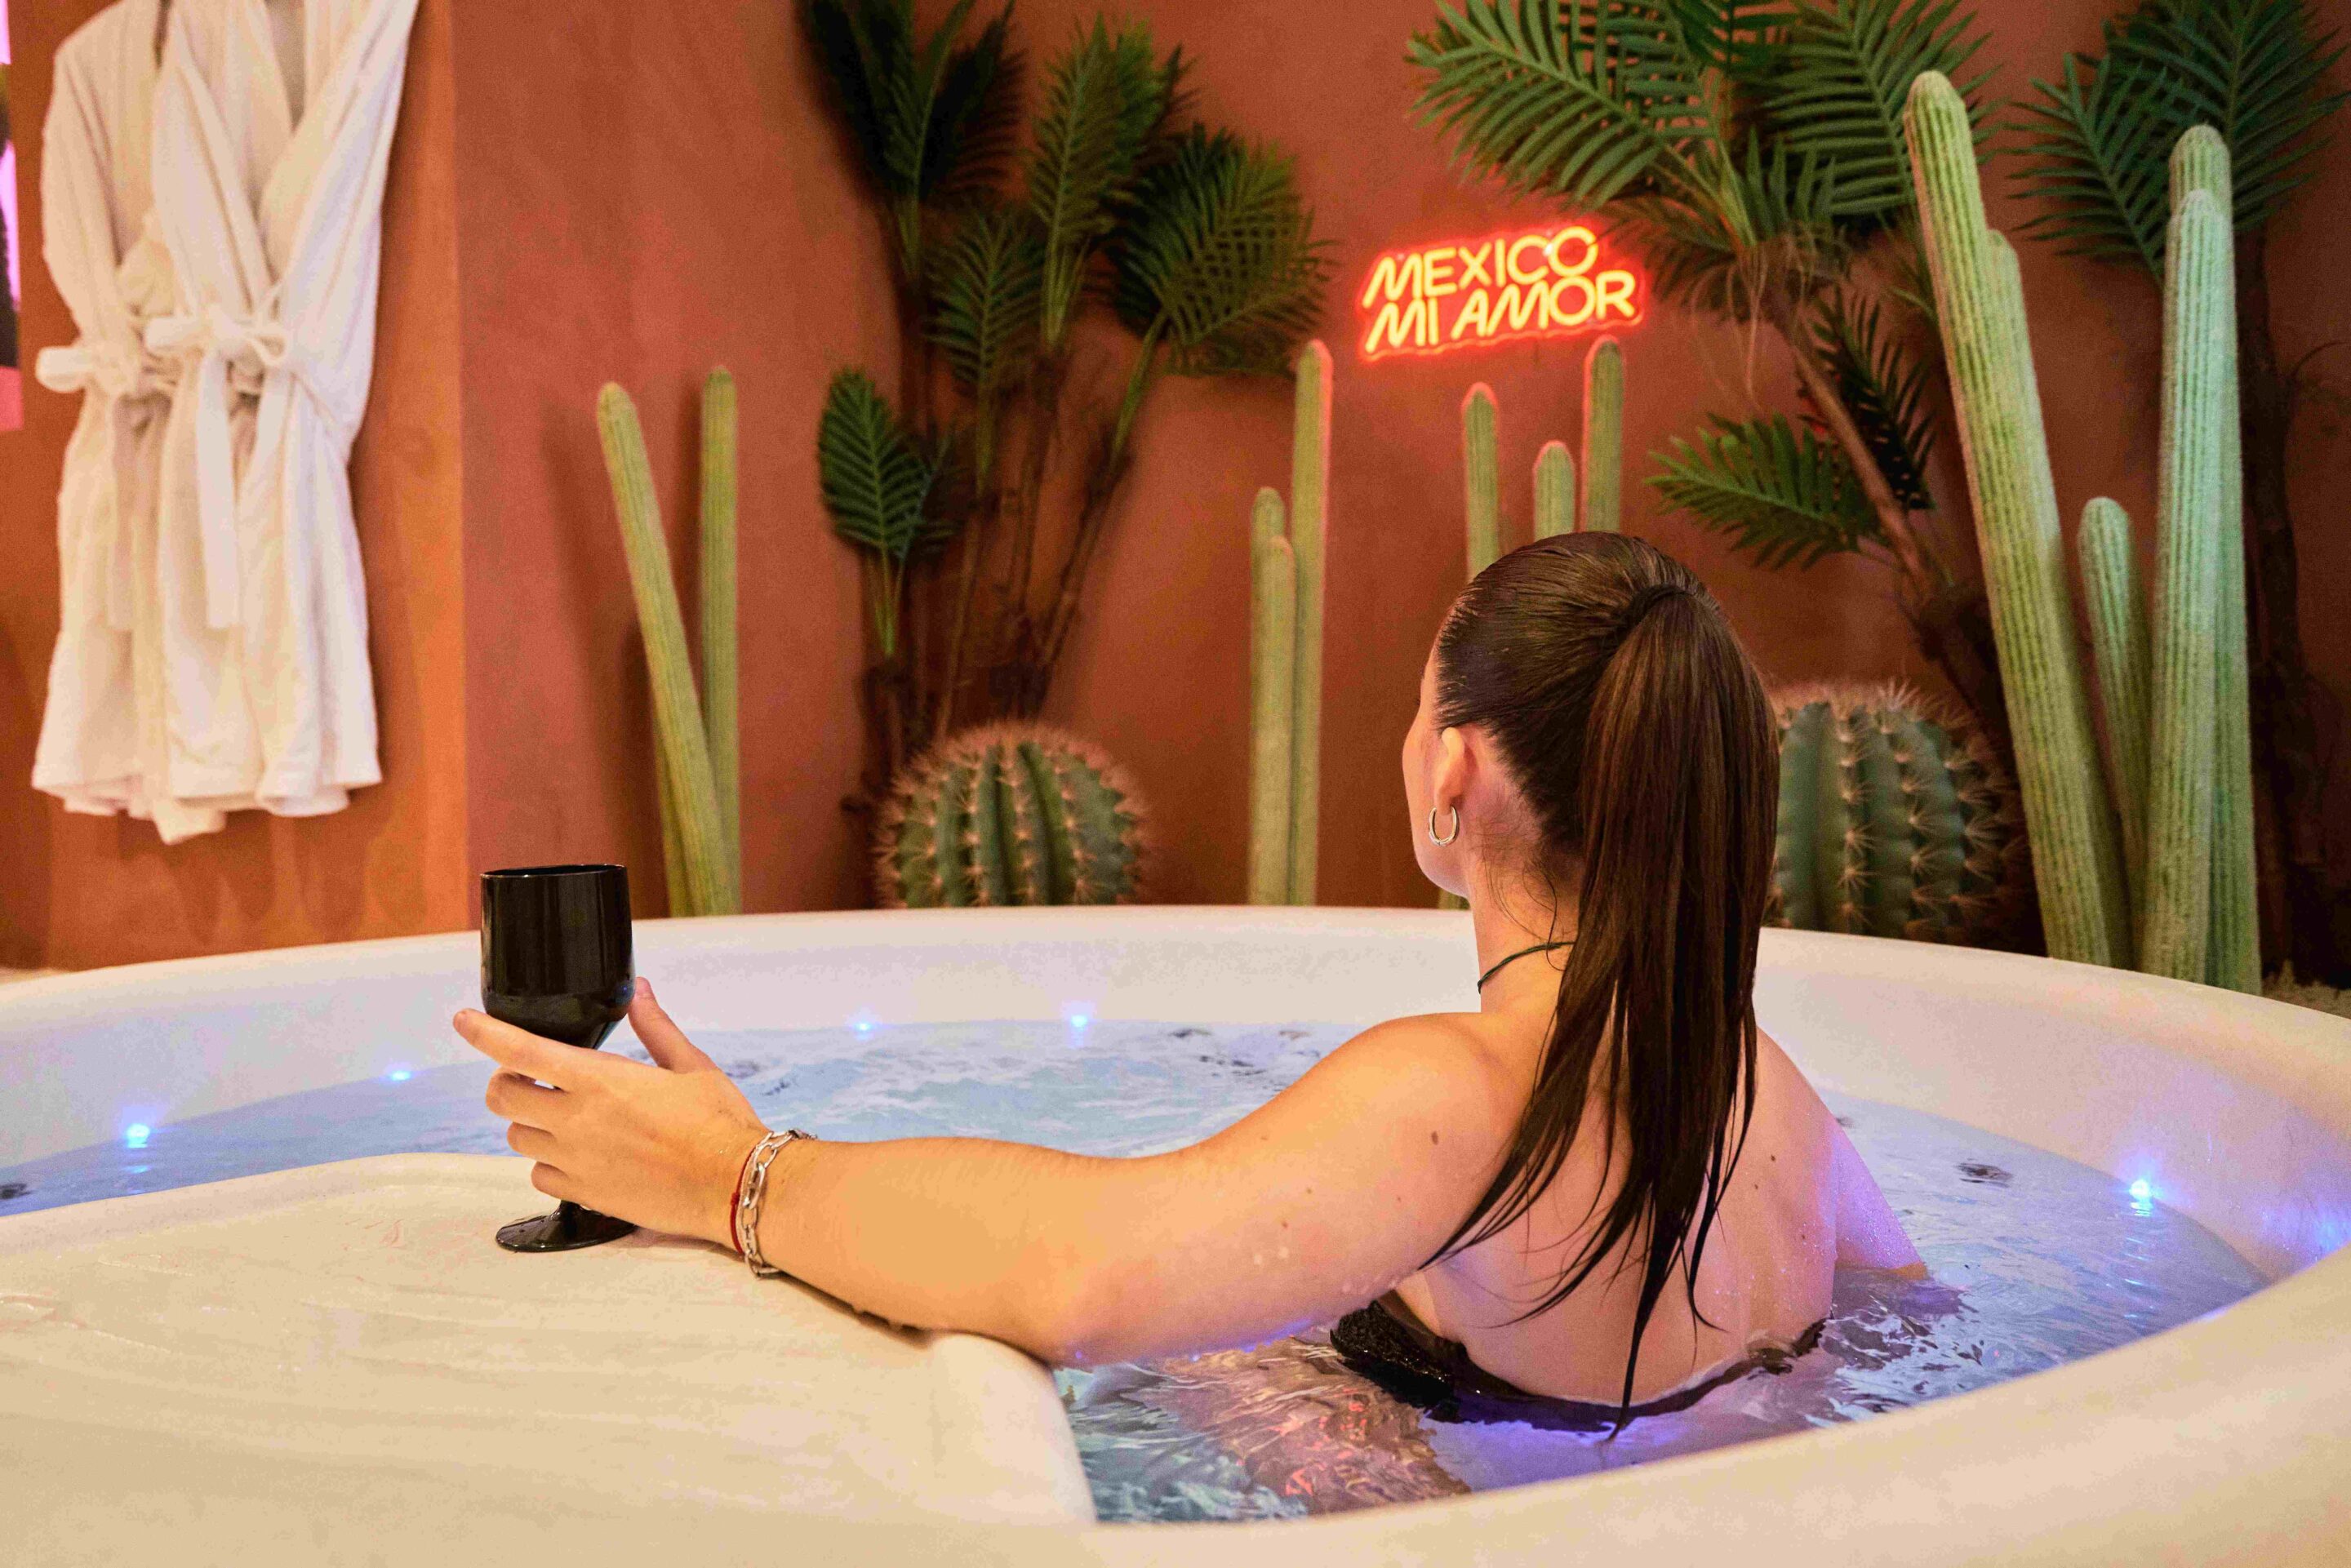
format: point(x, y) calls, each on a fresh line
point(118, 374)
point(224, 347)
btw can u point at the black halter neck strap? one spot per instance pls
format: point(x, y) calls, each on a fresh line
point(1523, 953)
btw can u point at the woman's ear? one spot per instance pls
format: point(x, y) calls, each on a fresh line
point(1455, 770)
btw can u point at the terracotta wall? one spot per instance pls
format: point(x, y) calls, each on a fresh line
point(585, 192)
point(77, 891)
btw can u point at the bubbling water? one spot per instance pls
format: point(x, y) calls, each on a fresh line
point(2034, 1261)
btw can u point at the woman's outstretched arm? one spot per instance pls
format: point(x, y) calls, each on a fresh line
point(1320, 1200)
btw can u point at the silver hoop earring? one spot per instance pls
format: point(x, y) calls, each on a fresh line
point(1449, 837)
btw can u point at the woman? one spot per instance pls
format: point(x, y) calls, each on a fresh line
point(1603, 1186)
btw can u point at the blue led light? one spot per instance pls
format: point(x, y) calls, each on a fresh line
point(862, 1023)
point(400, 1075)
point(2142, 1190)
point(135, 1135)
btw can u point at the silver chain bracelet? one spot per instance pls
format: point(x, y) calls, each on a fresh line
point(754, 1195)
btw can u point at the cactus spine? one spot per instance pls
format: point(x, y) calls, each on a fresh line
point(2198, 355)
point(1286, 569)
point(1554, 490)
point(721, 707)
point(2118, 635)
point(1894, 821)
point(1009, 814)
point(1603, 437)
point(1979, 300)
point(2200, 160)
point(683, 768)
point(1273, 679)
point(1481, 478)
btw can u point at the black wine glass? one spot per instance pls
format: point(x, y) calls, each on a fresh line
point(556, 960)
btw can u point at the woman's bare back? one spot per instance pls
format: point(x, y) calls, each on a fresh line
point(1800, 1204)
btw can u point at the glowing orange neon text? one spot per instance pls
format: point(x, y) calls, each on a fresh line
point(1546, 284)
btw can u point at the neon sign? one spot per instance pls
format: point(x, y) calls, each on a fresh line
point(1542, 282)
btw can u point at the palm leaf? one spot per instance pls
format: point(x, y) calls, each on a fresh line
point(2252, 70)
point(874, 479)
point(1840, 81)
point(1105, 97)
point(1767, 231)
point(1586, 102)
point(1885, 391)
point(976, 116)
point(2097, 152)
point(2098, 142)
point(1219, 259)
point(1782, 495)
point(986, 283)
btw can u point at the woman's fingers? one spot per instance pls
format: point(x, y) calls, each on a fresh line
point(517, 1098)
point(555, 1184)
point(535, 1142)
point(519, 1050)
point(663, 1039)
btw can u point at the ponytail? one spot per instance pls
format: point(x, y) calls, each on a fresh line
point(1640, 734)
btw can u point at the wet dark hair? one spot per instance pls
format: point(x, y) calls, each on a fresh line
point(1638, 732)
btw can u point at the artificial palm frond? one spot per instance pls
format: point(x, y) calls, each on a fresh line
point(1886, 393)
point(986, 284)
point(1218, 260)
point(976, 124)
point(1840, 81)
point(875, 479)
point(1784, 496)
point(1585, 102)
point(2097, 151)
point(1766, 236)
point(928, 117)
point(1105, 97)
point(2099, 141)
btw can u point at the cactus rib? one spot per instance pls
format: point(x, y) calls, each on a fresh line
point(2118, 636)
point(720, 704)
point(2176, 920)
point(1979, 304)
point(1273, 651)
point(1310, 503)
point(678, 716)
point(1603, 437)
point(1554, 491)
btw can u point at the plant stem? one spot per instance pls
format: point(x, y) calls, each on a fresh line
point(1102, 484)
point(2284, 728)
point(989, 500)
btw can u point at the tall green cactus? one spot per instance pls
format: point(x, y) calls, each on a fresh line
point(721, 706)
point(1009, 814)
point(1481, 478)
point(1554, 490)
point(2118, 635)
point(1603, 437)
point(1481, 504)
point(706, 866)
point(2200, 160)
point(1286, 571)
point(1310, 519)
point(2198, 357)
point(1273, 690)
point(1979, 304)
point(1895, 819)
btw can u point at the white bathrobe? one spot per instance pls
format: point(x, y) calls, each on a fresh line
point(103, 747)
point(269, 191)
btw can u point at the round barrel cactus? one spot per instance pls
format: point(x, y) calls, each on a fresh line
point(1009, 814)
point(1895, 819)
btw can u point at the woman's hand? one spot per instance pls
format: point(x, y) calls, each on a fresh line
point(661, 1145)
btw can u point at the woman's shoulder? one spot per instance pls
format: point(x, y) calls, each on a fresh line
point(1465, 1058)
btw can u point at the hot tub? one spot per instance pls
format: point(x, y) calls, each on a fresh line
point(2219, 1441)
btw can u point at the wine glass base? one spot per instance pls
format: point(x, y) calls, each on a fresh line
point(566, 1229)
